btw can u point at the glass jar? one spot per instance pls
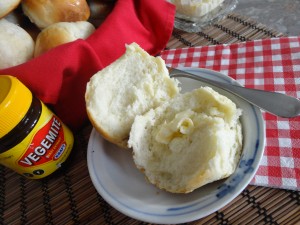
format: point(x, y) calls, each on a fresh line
point(194, 15)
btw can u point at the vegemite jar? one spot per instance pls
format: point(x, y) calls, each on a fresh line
point(33, 140)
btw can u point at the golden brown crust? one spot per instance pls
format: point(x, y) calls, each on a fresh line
point(61, 33)
point(49, 39)
point(45, 12)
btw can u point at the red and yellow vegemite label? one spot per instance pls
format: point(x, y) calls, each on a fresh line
point(43, 151)
point(48, 144)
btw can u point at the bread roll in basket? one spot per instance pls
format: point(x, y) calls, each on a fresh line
point(46, 12)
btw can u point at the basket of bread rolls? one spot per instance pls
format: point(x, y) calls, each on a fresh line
point(29, 28)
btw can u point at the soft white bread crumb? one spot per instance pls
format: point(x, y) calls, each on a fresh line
point(45, 12)
point(61, 33)
point(192, 140)
point(7, 6)
point(128, 87)
point(16, 45)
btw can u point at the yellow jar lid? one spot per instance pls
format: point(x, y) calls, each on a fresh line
point(15, 100)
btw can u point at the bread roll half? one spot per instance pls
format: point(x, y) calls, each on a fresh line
point(128, 87)
point(192, 140)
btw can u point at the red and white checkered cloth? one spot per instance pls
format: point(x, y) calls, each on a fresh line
point(269, 64)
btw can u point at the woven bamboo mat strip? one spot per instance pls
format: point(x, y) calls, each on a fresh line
point(68, 196)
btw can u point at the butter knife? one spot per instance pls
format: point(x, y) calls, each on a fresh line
point(273, 102)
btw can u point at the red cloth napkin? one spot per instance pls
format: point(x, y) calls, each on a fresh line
point(59, 76)
point(269, 64)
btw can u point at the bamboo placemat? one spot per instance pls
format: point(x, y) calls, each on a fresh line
point(69, 197)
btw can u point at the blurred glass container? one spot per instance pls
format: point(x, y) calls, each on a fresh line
point(191, 19)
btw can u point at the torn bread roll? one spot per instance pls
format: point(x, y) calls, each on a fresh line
point(16, 45)
point(7, 6)
point(192, 140)
point(128, 87)
point(46, 12)
point(61, 33)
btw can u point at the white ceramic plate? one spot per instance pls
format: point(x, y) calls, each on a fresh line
point(124, 187)
point(196, 24)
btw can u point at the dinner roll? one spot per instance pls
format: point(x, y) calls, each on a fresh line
point(130, 86)
point(7, 6)
point(60, 33)
point(16, 45)
point(192, 140)
point(17, 17)
point(46, 12)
